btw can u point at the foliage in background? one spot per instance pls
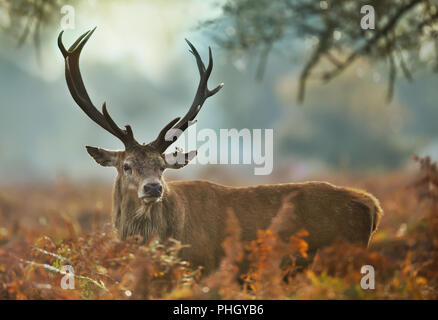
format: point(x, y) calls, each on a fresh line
point(328, 131)
point(404, 37)
point(25, 20)
point(62, 225)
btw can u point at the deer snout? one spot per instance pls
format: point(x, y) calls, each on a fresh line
point(153, 189)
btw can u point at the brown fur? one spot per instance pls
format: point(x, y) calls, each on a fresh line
point(195, 212)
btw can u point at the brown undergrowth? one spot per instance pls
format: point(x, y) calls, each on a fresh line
point(64, 225)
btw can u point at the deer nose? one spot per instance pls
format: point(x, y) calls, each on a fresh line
point(153, 189)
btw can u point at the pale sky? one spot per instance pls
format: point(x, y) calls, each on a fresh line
point(148, 34)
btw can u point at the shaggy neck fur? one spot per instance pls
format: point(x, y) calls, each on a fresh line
point(132, 216)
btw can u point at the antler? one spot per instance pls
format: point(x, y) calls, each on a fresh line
point(163, 141)
point(80, 95)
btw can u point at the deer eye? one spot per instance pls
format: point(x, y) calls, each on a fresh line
point(127, 168)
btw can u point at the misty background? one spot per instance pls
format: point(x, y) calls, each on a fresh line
point(138, 62)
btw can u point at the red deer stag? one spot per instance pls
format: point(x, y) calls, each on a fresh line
point(195, 212)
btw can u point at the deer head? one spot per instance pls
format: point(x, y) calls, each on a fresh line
point(140, 166)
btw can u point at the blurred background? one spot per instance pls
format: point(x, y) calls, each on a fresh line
point(339, 98)
point(347, 105)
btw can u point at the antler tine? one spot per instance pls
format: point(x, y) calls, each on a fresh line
point(126, 134)
point(202, 94)
point(79, 93)
point(156, 144)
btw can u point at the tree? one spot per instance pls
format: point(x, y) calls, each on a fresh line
point(404, 38)
point(24, 19)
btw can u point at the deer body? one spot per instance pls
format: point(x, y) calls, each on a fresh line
point(195, 212)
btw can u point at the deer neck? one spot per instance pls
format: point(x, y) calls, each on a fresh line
point(132, 216)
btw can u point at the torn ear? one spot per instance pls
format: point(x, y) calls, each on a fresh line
point(106, 158)
point(177, 159)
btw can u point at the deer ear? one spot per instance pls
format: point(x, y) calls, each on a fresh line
point(106, 158)
point(177, 160)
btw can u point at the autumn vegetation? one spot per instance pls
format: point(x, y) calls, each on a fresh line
point(43, 229)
